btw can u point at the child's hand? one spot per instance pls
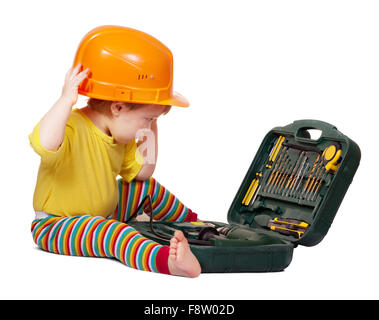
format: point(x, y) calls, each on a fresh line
point(72, 82)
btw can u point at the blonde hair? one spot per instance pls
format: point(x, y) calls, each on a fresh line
point(104, 106)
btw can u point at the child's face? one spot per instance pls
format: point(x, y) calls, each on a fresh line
point(126, 122)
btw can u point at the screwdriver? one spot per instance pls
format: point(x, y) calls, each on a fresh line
point(253, 188)
point(287, 226)
point(274, 152)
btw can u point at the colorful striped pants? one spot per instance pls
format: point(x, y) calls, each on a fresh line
point(95, 236)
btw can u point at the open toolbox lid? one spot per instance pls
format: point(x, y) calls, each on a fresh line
point(295, 184)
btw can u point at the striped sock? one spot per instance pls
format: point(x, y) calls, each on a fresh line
point(165, 205)
point(98, 237)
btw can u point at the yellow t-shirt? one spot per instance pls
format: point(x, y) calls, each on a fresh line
point(81, 176)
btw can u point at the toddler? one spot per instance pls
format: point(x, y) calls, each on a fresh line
point(81, 208)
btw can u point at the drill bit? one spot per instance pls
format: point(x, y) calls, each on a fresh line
point(315, 175)
point(310, 175)
point(302, 177)
point(274, 181)
point(298, 174)
point(278, 160)
point(294, 173)
point(284, 178)
point(316, 182)
point(319, 185)
point(281, 175)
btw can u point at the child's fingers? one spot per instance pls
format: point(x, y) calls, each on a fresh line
point(70, 75)
point(81, 76)
point(76, 69)
point(84, 72)
point(72, 71)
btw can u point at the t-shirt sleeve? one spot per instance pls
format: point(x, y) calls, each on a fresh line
point(133, 162)
point(47, 156)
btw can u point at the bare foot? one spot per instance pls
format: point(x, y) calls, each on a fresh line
point(181, 261)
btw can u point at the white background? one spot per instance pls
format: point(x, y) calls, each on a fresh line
point(246, 67)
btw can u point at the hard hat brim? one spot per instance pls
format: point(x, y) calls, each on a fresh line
point(176, 100)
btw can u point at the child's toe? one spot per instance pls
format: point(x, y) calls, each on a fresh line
point(179, 235)
point(173, 242)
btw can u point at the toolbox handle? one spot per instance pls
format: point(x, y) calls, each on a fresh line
point(300, 129)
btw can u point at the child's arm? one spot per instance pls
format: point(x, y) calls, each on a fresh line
point(52, 125)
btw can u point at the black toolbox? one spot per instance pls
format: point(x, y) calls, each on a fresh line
point(288, 197)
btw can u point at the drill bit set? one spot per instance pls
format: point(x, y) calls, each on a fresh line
point(294, 173)
point(288, 197)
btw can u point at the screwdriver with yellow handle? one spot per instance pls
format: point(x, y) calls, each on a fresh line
point(253, 190)
point(274, 152)
point(287, 226)
point(255, 186)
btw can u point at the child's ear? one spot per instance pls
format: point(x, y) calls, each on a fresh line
point(116, 107)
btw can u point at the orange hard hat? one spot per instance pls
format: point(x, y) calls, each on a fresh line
point(127, 65)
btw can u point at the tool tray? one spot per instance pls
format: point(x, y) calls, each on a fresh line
point(289, 196)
